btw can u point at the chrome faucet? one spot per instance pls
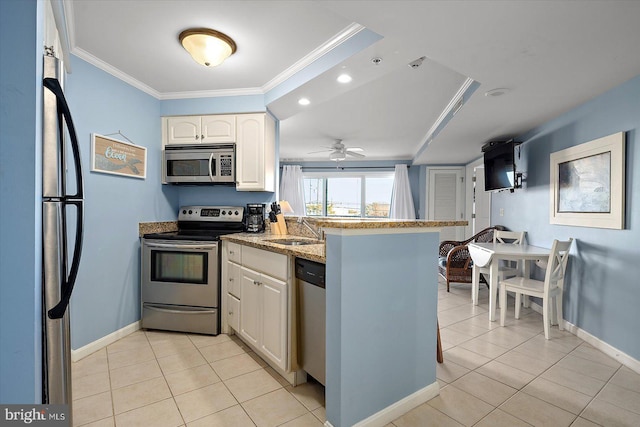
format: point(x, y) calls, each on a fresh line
point(316, 234)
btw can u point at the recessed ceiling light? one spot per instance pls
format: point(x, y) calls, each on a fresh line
point(344, 78)
point(497, 92)
point(304, 101)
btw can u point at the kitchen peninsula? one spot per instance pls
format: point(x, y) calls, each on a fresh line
point(381, 297)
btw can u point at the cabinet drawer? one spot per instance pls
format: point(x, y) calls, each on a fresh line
point(233, 312)
point(271, 263)
point(234, 279)
point(234, 252)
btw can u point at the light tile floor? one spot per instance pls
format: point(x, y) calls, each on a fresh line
point(491, 376)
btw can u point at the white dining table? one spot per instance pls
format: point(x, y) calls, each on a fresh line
point(490, 254)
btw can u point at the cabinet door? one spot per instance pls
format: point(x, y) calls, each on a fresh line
point(250, 300)
point(183, 130)
point(274, 320)
point(234, 279)
point(250, 152)
point(218, 128)
point(233, 312)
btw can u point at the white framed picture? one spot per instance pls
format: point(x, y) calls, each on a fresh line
point(587, 184)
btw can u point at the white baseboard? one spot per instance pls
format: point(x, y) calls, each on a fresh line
point(399, 408)
point(96, 345)
point(609, 350)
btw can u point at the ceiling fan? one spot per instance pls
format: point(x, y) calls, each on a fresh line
point(339, 151)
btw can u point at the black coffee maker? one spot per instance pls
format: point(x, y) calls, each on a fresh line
point(254, 217)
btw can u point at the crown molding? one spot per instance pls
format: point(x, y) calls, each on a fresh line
point(104, 66)
point(335, 41)
point(348, 32)
point(212, 93)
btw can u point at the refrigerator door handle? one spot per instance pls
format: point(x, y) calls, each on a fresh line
point(63, 109)
point(58, 311)
point(53, 85)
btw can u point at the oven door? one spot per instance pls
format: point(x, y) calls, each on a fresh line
point(180, 273)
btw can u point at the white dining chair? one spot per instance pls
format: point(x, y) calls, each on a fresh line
point(506, 269)
point(551, 288)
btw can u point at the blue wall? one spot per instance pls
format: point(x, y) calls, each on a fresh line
point(381, 320)
point(106, 297)
point(602, 293)
point(20, 200)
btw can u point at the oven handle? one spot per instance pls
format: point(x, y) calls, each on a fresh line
point(167, 310)
point(181, 246)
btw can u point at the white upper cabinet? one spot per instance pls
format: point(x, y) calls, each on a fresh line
point(200, 129)
point(219, 128)
point(255, 153)
point(254, 135)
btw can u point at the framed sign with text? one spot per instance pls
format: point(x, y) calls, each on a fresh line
point(111, 156)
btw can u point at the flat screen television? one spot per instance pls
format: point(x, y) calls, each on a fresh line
point(499, 167)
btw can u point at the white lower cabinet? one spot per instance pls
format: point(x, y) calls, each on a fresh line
point(263, 314)
point(274, 320)
point(256, 298)
point(250, 297)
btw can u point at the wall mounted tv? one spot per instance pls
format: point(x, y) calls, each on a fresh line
point(499, 166)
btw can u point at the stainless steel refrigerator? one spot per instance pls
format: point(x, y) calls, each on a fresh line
point(62, 221)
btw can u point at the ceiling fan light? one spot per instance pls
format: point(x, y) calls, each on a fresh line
point(207, 47)
point(337, 156)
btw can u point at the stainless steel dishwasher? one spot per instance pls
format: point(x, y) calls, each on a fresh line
point(310, 279)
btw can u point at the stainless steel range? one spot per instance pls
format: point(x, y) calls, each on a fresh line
point(181, 270)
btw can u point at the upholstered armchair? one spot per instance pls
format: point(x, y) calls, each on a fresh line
point(454, 264)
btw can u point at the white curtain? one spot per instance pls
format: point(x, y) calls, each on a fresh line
point(401, 200)
point(292, 188)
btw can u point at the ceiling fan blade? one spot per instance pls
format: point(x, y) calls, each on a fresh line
point(355, 149)
point(351, 153)
point(321, 151)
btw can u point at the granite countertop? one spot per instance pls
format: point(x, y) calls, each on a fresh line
point(313, 252)
point(382, 223)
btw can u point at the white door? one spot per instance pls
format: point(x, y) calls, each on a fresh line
point(250, 306)
point(481, 203)
point(446, 199)
point(274, 319)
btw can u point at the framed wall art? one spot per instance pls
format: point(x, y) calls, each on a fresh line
point(111, 156)
point(587, 184)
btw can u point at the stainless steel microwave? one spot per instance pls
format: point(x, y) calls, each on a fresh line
point(199, 164)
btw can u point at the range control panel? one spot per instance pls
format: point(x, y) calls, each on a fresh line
point(211, 213)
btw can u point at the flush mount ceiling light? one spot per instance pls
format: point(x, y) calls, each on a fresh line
point(207, 47)
point(304, 101)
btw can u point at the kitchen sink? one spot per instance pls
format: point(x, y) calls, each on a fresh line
point(295, 242)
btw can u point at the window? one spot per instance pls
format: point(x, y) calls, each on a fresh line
point(348, 195)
